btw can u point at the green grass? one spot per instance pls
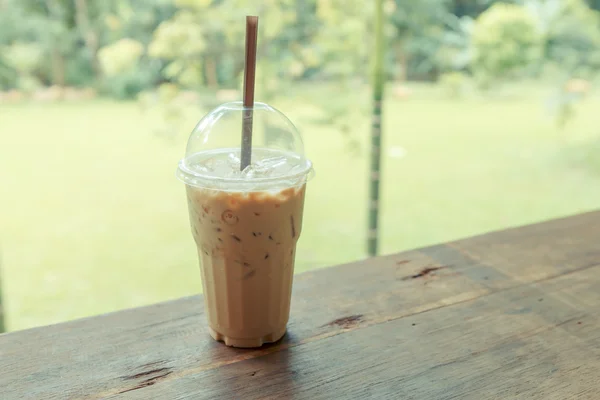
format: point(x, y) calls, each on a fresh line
point(93, 220)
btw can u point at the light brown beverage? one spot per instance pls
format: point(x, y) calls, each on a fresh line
point(246, 217)
point(246, 245)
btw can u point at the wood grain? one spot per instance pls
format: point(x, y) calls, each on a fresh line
point(510, 314)
point(506, 345)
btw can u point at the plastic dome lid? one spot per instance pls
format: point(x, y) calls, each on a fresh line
point(213, 154)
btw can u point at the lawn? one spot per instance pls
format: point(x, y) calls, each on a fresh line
point(93, 220)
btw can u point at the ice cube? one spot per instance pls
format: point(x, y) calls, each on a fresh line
point(233, 159)
point(225, 168)
point(257, 170)
point(202, 168)
point(272, 162)
point(249, 172)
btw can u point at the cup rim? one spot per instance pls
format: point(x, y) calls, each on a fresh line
point(194, 178)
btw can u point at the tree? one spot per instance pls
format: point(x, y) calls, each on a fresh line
point(25, 59)
point(89, 30)
point(340, 47)
point(120, 57)
point(340, 55)
point(594, 4)
point(70, 34)
point(127, 24)
point(418, 30)
point(18, 36)
point(456, 50)
point(469, 8)
point(203, 42)
point(202, 47)
point(570, 33)
point(506, 41)
point(55, 30)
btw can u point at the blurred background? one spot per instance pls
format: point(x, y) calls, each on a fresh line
point(490, 120)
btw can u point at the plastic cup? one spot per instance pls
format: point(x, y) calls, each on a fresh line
point(246, 223)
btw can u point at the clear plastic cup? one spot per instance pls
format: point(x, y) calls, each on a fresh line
point(246, 223)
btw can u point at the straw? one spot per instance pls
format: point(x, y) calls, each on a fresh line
point(249, 74)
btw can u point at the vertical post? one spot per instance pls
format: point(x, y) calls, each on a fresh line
point(375, 169)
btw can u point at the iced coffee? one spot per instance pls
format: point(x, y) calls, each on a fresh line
point(246, 229)
point(246, 243)
point(246, 220)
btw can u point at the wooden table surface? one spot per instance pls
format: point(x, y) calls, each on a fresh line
point(507, 315)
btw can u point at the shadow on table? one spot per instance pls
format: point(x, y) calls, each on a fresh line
point(263, 373)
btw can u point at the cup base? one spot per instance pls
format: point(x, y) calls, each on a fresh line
point(247, 343)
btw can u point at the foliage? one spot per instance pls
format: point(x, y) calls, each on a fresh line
point(24, 57)
point(456, 50)
point(70, 34)
point(15, 32)
point(203, 43)
point(341, 44)
point(571, 45)
point(470, 8)
point(180, 41)
point(418, 28)
point(120, 57)
point(571, 35)
point(506, 41)
point(198, 44)
point(339, 53)
point(128, 26)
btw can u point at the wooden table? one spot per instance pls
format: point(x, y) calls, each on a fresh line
point(507, 315)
